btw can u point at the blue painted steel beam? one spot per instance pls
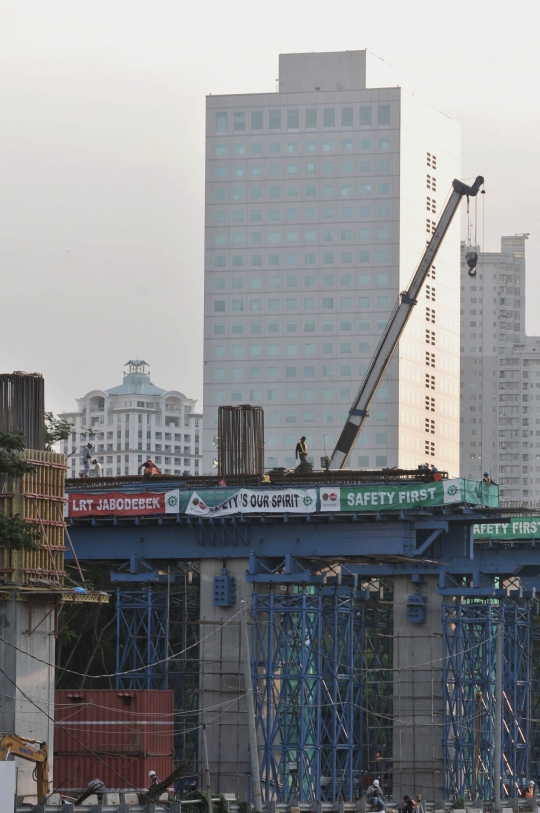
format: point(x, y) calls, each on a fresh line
point(204, 541)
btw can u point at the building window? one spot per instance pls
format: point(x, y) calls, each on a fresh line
point(346, 118)
point(256, 121)
point(365, 119)
point(383, 117)
point(293, 121)
point(221, 123)
point(311, 119)
point(275, 121)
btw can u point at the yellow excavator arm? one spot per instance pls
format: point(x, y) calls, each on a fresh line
point(20, 747)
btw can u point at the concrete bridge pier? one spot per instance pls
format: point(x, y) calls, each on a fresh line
point(222, 680)
point(418, 700)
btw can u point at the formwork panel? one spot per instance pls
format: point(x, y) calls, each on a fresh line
point(129, 722)
point(38, 498)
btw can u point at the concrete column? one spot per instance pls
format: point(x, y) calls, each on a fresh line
point(31, 676)
point(222, 682)
point(417, 748)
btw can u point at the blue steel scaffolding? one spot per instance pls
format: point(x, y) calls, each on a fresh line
point(469, 665)
point(323, 690)
point(157, 634)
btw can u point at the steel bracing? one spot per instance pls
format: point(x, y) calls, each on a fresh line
point(157, 634)
point(469, 674)
point(321, 661)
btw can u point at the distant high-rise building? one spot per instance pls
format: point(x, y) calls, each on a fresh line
point(319, 201)
point(500, 374)
point(134, 421)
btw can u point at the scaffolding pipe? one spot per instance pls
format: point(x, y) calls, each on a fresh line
point(498, 718)
point(253, 751)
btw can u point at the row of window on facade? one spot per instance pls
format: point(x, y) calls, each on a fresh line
point(326, 235)
point(292, 147)
point(307, 371)
point(294, 213)
point(326, 326)
point(309, 258)
point(310, 168)
point(292, 281)
point(276, 119)
point(109, 447)
point(308, 303)
point(110, 459)
point(326, 348)
point(157, 435)
point(346, 190)
point(307, 394)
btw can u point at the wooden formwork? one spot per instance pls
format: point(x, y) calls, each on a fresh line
point(37, 498)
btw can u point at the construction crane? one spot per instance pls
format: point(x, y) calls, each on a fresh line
point(396, 325)
point(19, 746)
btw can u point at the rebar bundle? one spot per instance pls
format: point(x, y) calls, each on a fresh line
point(241, 440)
point(22, 406)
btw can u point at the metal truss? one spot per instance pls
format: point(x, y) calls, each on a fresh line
point(318, 709)
point(157, 633)
point(469, 665)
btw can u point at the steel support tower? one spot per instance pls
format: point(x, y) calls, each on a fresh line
point(157, 645)
point(322, 675)
point(469, 674)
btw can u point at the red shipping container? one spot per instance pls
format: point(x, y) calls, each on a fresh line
point(114, 723)
point(126, 773)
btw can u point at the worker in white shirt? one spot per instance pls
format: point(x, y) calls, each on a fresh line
point(87, 456)
point(98, 468)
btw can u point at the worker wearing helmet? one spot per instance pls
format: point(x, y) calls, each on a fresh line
point(529, 790)
point(153, 779)
point(86, 456)
point(375, 796)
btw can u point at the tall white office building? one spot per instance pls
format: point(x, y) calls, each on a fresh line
point(500, 375)
point(319, 201)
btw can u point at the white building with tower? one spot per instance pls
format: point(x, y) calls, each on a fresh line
point(134, 421)
point(320, 199)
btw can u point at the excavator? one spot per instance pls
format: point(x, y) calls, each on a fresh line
point(397, 322)
point(20, 747)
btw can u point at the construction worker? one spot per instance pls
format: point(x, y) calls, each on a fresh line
point(301, 450)
point(153, 779)
point(528, 793)
point(486, 478)
point(150, 469)
point(408, 804)
point(86, 456)
point(375, 796)
point(98, 468)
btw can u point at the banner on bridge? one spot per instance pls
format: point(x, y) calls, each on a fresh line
point(408, 495)
point(122, 504)
point(509, 528)
point(246, 501)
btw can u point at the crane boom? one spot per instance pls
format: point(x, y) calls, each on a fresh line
point(395, 327)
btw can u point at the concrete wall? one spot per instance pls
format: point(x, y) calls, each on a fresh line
point(338, 70)
point(32, 677)
point(418, 756)
point(222, 681)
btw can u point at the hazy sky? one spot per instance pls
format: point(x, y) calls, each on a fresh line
point(102, 156)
